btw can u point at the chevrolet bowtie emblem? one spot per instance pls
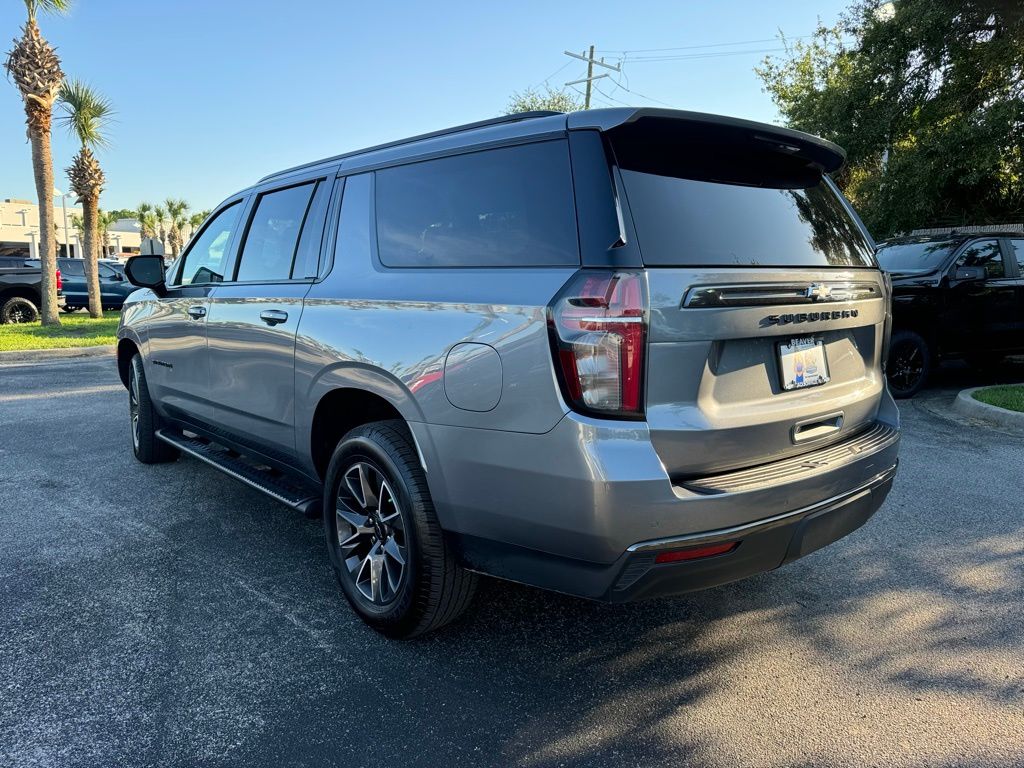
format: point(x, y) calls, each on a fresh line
point(818, 292)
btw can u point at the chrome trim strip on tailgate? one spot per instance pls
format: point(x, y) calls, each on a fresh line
point(772, 294)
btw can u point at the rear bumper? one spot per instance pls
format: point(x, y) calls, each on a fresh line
point(761, 546)
point(585, 508)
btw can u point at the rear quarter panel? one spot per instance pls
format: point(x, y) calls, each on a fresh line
point(391, 331)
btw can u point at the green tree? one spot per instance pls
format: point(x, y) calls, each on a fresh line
point(104, 221)
point(147, 220)
point(195, 221)
point(177, 212)
point(532, 99)
point(86, 114)
point(35, 69)
point(160, 224)
point(927, 100)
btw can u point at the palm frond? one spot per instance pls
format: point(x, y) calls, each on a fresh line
point(55, 7)
point(86, 113)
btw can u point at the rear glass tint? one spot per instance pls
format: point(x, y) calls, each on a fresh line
point(701, 203)
point(508, 207)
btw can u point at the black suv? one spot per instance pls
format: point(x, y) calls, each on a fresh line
point(955, 295)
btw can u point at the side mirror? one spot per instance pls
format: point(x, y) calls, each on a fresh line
point(146, 272)
point(967, 274)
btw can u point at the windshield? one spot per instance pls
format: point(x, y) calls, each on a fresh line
point(914, 258)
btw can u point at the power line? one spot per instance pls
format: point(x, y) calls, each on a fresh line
point(698, 56)
point(546, 79)
point(696, 47)
point(642, 96)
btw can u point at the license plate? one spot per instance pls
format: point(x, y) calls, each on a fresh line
point(802, 363)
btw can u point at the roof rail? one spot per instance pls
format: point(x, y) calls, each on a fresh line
point(970, 229)
point(513, 118)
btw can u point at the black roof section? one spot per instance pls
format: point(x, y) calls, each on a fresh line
point(824, 154)
point(513, 118)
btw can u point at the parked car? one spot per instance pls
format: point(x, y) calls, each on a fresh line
point(114, 288)
point(954, 296)
point(618, 353)
point(20, 296)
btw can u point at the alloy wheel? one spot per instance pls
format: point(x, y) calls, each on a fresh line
point(371, 532)
point(133, 406)
point(906, 366)
point(19, 315)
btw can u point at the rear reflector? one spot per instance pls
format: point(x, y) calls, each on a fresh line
point(696, 553)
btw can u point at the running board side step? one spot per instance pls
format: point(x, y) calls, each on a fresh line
point(288, 490)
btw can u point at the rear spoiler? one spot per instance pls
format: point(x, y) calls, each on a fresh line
point(824, 154)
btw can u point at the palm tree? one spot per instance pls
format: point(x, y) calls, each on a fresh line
point(145, 215)
point(35, 69)
point(104, 220)
point(177, 212)
point(161, 216)
point(86, 115)
point(195, 221)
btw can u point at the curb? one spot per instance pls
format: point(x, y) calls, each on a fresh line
point(991, 415)
point(66, 353)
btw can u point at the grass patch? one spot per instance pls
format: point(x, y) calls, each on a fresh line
point(1009, 397)
point(77, 330)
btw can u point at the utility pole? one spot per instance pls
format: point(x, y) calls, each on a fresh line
point(591, 77)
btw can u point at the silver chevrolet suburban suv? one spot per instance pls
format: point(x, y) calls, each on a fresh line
point(618, 353)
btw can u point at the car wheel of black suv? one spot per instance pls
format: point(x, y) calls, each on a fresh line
point(386, 546)
point(145, 421)
point(910, 363)
point(18, 309)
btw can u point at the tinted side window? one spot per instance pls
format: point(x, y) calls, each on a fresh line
point(1018, 248)
point(204, 262)
point(72, 268)
point(509, 207)
point(269, 248)
point(983, 253)
point(307, 256)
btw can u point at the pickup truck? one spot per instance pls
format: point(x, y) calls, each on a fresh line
point(20, 296)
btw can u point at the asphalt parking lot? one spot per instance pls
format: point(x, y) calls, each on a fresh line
point(168, 616)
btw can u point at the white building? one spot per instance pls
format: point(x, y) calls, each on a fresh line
point(19, 231)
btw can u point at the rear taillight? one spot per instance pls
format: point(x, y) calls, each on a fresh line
point(598, 330)
point(60, 281)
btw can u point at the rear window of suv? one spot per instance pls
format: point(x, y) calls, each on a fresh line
point(507, 207)
point(706, 205)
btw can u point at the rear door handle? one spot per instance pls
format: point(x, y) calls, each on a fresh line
point(196, 312)
point(273, 316)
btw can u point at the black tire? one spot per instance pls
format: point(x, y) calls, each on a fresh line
point(909, 365)
point(432, 588)
point(144, 421)
point(18, 309)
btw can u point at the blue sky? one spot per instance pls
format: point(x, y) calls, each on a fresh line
point(212, 94)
